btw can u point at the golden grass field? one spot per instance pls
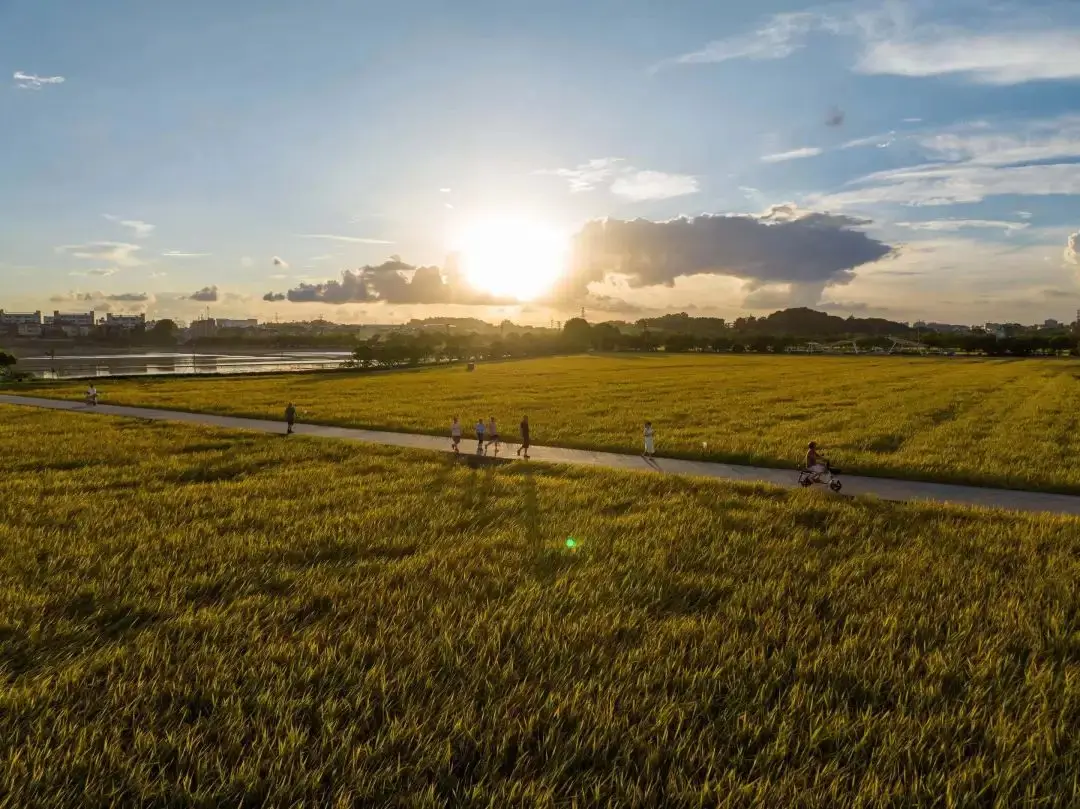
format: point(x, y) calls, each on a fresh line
point(1010, 423)
point(191, 617)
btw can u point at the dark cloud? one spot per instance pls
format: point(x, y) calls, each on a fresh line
point(274, 296)
point(205, 295)
point(803, 251)
point(394, 281)
point(129, 297)
point(279, 262)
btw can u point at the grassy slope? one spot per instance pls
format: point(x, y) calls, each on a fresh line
point(992, 422)
point(203, 618)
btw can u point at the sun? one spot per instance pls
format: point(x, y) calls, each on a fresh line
point(509, 257)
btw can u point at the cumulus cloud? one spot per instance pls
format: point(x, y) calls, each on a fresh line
point(274, 296)
point(394, 281)
point(794, 154)
point(279, 262)
point(118, 253)
point(29, 81)
point(800, 251)
point(335, 238)
point(625, 181)
point(1072, 248)
point(206, 295)
point(141, 229)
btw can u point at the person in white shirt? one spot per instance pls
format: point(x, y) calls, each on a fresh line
point(455, 435)
point(91, 395)
point(650, 449)
point(493, 434)
point(480, 437)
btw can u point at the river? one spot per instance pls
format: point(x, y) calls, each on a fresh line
point(86, 366)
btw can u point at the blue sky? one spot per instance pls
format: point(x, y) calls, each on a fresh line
point(189, 145)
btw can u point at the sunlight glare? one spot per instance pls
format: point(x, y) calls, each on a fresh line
point(517, 258)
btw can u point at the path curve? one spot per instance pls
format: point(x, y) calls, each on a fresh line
point(885, 488)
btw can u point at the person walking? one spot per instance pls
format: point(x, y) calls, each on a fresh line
point(524, 437)
point(92, 395)
point(290, 418)
point(455, 435)
point(650, 447)
point(493, 434)
point(480, 437)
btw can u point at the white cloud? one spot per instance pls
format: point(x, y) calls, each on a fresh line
point(444, 190)
point(1000, 46)
point(1008, 57)
point(780, 37)
point(247, 262)
point(140, 228)
point(913, 120)
point(279, 262)
point(118, 253)
point(324, 257)
point(1023, 214)
point(794, 154)
point(28, 81)
point(880, 141)
point(644, 185)
point(280, 276)
point(963, 224)
point(588, 175)
point(182, 254)
point(625, 181)
point(1072, 248)
point(336, 238)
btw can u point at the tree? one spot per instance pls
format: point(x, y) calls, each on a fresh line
point(164, 331)
point(6, 361)
point(577, 333)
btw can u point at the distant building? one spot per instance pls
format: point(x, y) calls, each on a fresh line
point(226, 323)
point(70, 324)
point(1050, 323)
point(124, 322)
point(20, 324)
point(206, 327)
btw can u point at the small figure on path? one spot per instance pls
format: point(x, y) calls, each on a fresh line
point(524, 437)
point(480, 437)
point(815, 461)
point(493, 435)
point(91, 395)
point(650, 448)
point(290, 418)
point(455, 435)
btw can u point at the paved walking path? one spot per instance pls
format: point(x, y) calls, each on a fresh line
point(885, 488)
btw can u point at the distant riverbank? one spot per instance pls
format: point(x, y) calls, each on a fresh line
point(89, 363)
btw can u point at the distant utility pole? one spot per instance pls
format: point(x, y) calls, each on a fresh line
point(582, 312)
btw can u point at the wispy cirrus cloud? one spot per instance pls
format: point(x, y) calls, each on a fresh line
point(101, 272)
point(636, 185)
point(333, 237)
point(30, 81)
point(794, 154)
point(1002, 46)
point(952, 225)
point(141, 229)
point(779, 37)
point(119, 253)
point(182, 254)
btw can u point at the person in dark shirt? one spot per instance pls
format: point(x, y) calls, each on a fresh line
point(290, 418)
point(524, 437)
